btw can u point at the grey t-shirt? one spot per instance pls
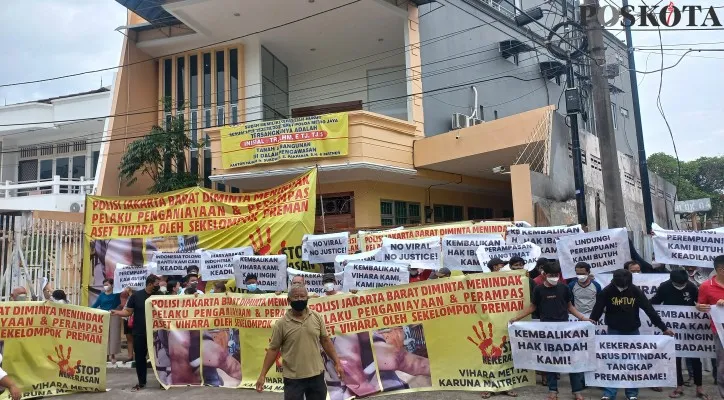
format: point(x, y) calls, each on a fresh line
point(584, 297)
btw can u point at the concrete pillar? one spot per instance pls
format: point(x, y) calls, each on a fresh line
point(522, 191)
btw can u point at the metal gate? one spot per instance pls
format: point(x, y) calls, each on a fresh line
point(35, 252)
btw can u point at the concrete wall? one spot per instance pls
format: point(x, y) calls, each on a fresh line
point(443, 66)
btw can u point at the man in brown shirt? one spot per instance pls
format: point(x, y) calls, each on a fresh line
point(298, 335)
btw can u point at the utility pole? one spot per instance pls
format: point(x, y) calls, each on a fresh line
point(643, 163)
point(613, 195)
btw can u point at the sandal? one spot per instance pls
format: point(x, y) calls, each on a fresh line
point(578, 396)
point(485, 395)
point(702, 395)
point(552, 396)
point(136, 388)
point(510, 393)
point(676, 393)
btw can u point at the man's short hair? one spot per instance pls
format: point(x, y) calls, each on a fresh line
point(551, 268)
point(108, 281)
point(192, 268)
point(494, 262)
point(295, 289)
point(151, 279)
point(250, 277)
point(719, 261)
point(628, 264)
point(583, 264)
point(516, 259)
point(541, 262)
point(328, 278)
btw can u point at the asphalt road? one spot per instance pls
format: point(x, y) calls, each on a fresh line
point(120, 380)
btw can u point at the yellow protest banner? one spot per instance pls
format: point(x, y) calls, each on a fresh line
point(265, 142)
point(444, 334)
point(51, 349)
point(128, 230)
point(372, 241)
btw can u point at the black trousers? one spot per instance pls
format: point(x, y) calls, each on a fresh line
point(695, 365)
point(140, 348)
point(313, 388)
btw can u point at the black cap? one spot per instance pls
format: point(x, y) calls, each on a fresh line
point(679, 276)
point(495, 261)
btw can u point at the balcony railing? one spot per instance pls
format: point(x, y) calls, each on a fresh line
point(57, 185)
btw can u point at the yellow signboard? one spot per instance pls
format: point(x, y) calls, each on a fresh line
point(128, 230)
point(51, 349)
point(265, 142)
point(444, 334)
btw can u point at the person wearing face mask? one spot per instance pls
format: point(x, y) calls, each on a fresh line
point(678, 291)
point(108, 301)
point(538, 270)
point(584, 289)
point(297, 336)
point(632, 267)
point(443, 272)
point(172, 287)
point(711, 293)
point(329, 283)
point(19, 294)
point(251, 285)
point(416, 275)
point(621, 301)
point(496, 265)
point(136, 307)
point(552, 300)
point(192, 284)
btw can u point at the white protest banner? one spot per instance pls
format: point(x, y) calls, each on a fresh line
point(717, 318)
point(605, 250)
point(419, 253)
point(458, 251)
point(697, 248)
point(313, 280)
point(522, 224)
point(360, 275)
point(133, 276)
point(648, 283)
point(544, 237)
point(270, 271)
point(319, 249)
point(599, 327)
point(633, 361)
point(218, 264)
point(553, 346)
point(694, 337)
point(176, 263)
point(528, 251)
point(341, 261)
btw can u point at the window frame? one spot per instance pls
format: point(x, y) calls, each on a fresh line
point(410, 219)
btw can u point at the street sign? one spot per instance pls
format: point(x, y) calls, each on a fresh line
point(692, 206)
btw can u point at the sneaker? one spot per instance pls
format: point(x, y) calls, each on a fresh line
point(605, 398)
point(633, 398)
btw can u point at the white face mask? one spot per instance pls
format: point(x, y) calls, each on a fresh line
point(553, 280)
point(637, 272)
point(328, 287)
point(162, 289)
point(505, 269)
point(680, 287)
point(621, 289)
point(106, 288)
point(582, 278)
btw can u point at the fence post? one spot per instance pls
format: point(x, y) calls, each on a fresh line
point(82, 185)
point(56, 184)
point(7, 189)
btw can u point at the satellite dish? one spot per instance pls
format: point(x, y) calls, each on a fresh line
point(75, 207)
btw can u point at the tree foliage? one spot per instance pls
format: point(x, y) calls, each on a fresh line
point(161, 155)
point(703, 177)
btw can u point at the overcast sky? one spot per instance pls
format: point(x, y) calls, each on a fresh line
point(45, 38)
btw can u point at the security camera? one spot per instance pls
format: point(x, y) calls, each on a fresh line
point(500, 170)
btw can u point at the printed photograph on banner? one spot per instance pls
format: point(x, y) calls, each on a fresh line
point(633, 361)
point(221, 357)
point(401, 354)
point(605, 250)
point(529, 252)
point(553, 346)
point(363, 275)
point(319, 249)
point(459, 251)
point(544, 237)
point(419, 253)
point(341, 261)
point(697, 248)
point(131, 276)
point(219, 264)
point(355, 354)
point(178, 357)
point(270, 271)
point(313, 280)
point(176, 263)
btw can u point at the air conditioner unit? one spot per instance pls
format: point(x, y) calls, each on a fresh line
point(475, 121)
point(75, 207)
point(460, 121)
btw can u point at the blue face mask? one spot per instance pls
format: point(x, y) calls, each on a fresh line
point(251, 287)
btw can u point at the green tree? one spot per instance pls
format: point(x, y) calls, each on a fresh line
point(703, 177)
point(161, 155)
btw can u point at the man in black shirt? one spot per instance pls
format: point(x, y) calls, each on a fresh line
point(136, 307)
point(622, 301)
point(678, 291)
point(552, 300)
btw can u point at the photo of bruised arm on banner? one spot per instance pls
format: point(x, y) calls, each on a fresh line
point(401, 354)
point(187, 357)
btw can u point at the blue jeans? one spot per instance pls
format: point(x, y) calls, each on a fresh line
point(611, 392)
point(576, 381)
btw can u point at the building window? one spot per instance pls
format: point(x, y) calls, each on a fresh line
point(193, 82)
point(503, 6)
point(96, 156)
point(180, 90)
point(507, 214)
point(167, 83)
point(194, 163)
point(220, 89)
point(399, 213)
point(220, 187)
point(445, 213)
point(79, 167)
point(235, 189)
point(334, 205)
point(28, 171)
point(275, 86)
point(234, 85)
point(480, 213)
point(207, 89)
point(614, 115)
point(624, 112)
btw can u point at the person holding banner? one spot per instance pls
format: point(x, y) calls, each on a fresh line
point(678, 291)
point(108, 301)
point(9, 383)
point(553, 301)
point(250, 281)
point(584, 289)
point(622, 301)
point(417, 276)
point(711, 293)
point(297, 336)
